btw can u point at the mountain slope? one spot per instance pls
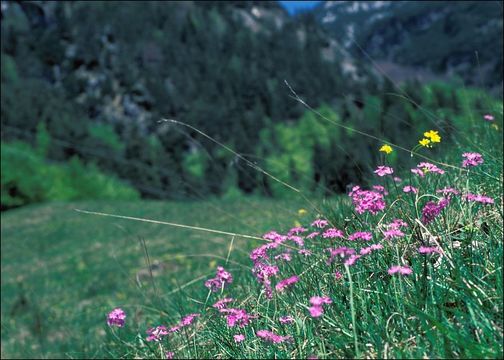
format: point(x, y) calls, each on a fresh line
point(455, 38)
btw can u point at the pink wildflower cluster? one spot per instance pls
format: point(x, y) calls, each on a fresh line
point(488, 117)
point(393, 230)
point(361, 235)
point(272, 337)
point(320, 223)
point(369, 249)
point(367, 200)
point(384, 170)
point(409, 188)
point(448, 191)
point(312, 235)
point(425, 167)
point(222, 278)
point(169, 354)
point(286, 320)
point(116, 317)
point(237, 317)
point(263, 273)
point(284, 256)
point(402, 270)
point(296, 231)
point(305, 252)
point(282, 285)
point(352, 259)
point(296, 239)
point(343, 252)
point(332, 234)
point(478, 198)
point(432, 209)
point(158, 332)
point(472, 159)
point(221, 304)
point(429, 250)
point(239, 338)
point(317, 302)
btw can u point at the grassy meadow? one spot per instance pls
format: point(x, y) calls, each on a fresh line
point(62, 270)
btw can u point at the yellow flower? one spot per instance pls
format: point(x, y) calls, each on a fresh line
point(297, 223)
point(386, 149)
point(425, 142)
point(433, 136)
point(495, 126)
point(302, 212)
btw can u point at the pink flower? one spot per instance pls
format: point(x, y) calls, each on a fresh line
point(332, 234)
point(282, 285)
point(174, 329)
point(320, 300)
point(272, 337)
point(366, 200)
point(425, 167)
point(221, 304)
point(352, 259)
point(312, 235)
point(237, 317)
point(263, 274)
point(341, 252)
point(320, 223)
point(296, 231)
point(488, 117)
point(316, 311)
point(286, 320)
point(478, 198)
point(447, 191)
point(338, 275)
point(169, 354)
point(431, 210)
point(362, 235)
point(222, 278)
point(116, 317)
point(304, 252)
point(397, 179)
point(284, 256)
point(239, 338)
point(472, 159)
point(370, 249)
point(393, 234)
point(409, 188)
point(188, 319)
point(384, 170)
point(297, 239)
point(429, 250)
point(317, 302)
point(157, 333)
point(397, 224)
point(402, 270)
point(380, 189)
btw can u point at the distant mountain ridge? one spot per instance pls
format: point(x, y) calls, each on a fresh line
point(451, 38)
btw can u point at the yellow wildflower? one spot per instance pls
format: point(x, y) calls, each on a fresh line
point(386, 149)
point(433, 136)
point(302, 212)
point(425, 142)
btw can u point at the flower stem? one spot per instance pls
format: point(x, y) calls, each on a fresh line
point(352, 310)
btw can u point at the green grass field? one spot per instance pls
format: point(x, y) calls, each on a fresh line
point(62, 270)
